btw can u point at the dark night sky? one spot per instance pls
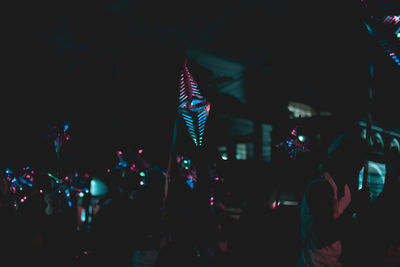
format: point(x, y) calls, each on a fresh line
point(111, 67)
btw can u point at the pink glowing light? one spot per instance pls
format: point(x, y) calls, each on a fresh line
point(41, 191)
point(140, 151)
point(108, 170)
point(275, 204)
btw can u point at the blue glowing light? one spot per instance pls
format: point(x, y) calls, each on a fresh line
point(190, 183)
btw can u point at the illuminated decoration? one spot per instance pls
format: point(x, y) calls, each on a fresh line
point(60, 134)
point(20, 184)
point(187, 171)
point(293, 144)
point(385, 45)
point(386, 30)
point(134, 164)
point(62, 188)
point(394, 23)
point(144, 174)
point(66, 186)
point(392, 20)
point(193, 107)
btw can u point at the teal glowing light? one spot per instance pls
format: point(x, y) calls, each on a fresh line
point(83, 216)
point(56, 179)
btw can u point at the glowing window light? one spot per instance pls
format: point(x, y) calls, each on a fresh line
point(241, 151)
point(193, 107)
point(300, 110)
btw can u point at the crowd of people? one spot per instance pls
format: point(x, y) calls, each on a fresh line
point(135, 213)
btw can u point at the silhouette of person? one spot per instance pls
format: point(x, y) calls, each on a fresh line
point(329, 202)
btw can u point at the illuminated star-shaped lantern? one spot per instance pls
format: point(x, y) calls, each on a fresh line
point(293, 144)
point(193, 107)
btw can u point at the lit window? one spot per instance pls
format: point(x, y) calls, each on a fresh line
point(300, 110)
point(241, 152)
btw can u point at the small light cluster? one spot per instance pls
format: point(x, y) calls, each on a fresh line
point(20, 182)
point(137, 165)
point(293, 144)
point(187, 171)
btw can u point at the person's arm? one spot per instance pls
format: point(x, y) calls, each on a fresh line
point(320, 201)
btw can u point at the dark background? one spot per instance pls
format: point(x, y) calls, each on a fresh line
point(111, 67)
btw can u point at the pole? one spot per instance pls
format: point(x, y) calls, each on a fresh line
point(171, 158)
point(369, 115)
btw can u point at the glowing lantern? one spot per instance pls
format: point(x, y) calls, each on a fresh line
point(193, 107)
